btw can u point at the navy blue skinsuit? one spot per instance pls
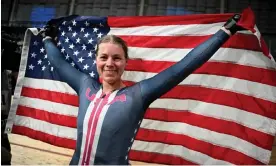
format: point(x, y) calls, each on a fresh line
point(107, 123)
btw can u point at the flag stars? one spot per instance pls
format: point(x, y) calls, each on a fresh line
point(90, 41)
point(100, 35)
point(86, 35)
point(87, 23)
point(76, 53)
point(49, 63)
point(39, 62)
point(31, 67)
point(43, 68)
point(92, 74)
point(33, 55)
point(83, 47)
point(90, 54)
point(67, 40)
point(52, 68)
point(64, 22)
point(101, 25)
point(62, 50)
point(45, 56)
point(95, 30)
point(78, 40)
point(59, 43)
point(74, 34)
point(85, 67)
point(94, 62)
point(82, 29)
point(71, 46)
point(62, 33)
point(80, 60)
point(42, 50)
point(74, 22)
point(69, 28)
point(67, 57)
point(35, 43)
point(73, 64)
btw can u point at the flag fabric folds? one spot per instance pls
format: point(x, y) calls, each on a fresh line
point(223, 113)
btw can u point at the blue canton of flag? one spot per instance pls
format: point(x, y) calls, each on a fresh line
point(77, 41)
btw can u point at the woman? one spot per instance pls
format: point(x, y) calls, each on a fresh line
point(111, 113)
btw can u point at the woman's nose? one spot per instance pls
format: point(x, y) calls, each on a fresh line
point(109, 62)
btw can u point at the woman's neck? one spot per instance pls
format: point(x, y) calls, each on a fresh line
point(109, 88)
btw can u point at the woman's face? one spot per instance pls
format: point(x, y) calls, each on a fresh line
point(111, 62)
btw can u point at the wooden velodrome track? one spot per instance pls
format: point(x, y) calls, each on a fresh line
point(27, 151)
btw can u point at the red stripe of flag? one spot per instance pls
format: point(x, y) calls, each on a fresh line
point(54, 118)
point(58, 97)
point(153, 157)
point(217, 152)
point(128, 21)
point(259, 75)
point(238, 41)
point(38, 135)
point(250, 135)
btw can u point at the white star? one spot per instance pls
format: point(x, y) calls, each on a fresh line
point(49, 63)
point(31, 67)
point(59, 28)
point(90, 41)
point(67, 40)
point(43, 68)
point(90, 54)
point(80, 60)
point(42, 50)
point(95, 29)
point(39, 62)
point(45, 56)
point(85, 67)
point(59, 43)
point(73, 64)
point(74, 34)
point(33, 55)
point(95, 47)
point(71, 46)
point(86, 35)
point(78, 40)
point(101, 25)
point(100, 35)
point(52, 68)
point(67, 56)
point(82, 29)
point(92, 74)
point(87, 23)
point(35, 43)
point(62, 33)
point(74, 22)
point(83, 47)
point(76, 53)
point(63, 49)
point(94, 62)
point(69, 28)
point(63, 22)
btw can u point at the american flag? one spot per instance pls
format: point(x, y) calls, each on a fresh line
point(223, 113)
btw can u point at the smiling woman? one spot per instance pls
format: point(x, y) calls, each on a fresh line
point(112, 56)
